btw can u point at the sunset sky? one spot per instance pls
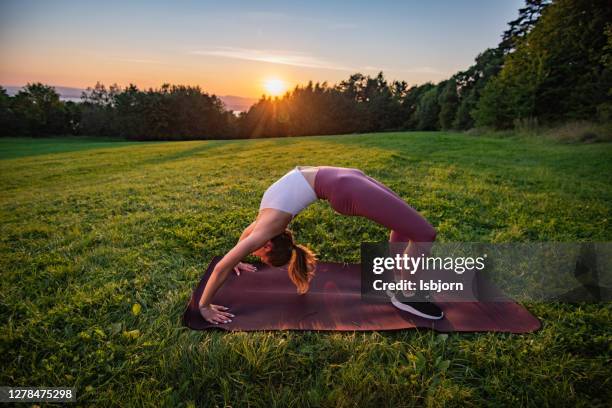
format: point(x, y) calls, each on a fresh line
point(236, 48)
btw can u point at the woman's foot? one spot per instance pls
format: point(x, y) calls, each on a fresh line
point(421, 307)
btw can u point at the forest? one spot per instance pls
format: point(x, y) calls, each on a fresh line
point(553, 65)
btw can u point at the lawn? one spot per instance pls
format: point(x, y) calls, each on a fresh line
point(102, 242)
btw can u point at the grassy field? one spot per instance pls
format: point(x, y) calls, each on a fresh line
point(102, 242)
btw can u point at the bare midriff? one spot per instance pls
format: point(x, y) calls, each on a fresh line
point(309, 173)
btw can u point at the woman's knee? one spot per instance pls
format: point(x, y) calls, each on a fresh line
point(433, 233)
point(426, 234)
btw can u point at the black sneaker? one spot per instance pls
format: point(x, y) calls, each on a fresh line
point(424, 308)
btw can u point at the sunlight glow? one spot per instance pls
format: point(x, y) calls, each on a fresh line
point(274, 86)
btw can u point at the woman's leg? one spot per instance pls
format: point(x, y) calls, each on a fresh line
point(354, 193)
point(382, 205)
point(377, 202)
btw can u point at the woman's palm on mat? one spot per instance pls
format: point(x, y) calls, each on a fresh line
point(244, 267)
point(216, 314)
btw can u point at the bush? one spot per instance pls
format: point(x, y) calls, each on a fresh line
point(581, 132)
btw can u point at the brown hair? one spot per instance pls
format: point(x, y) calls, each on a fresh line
point(302, 261)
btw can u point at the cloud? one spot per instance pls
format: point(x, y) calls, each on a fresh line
point(301, 59)
point(297, 59)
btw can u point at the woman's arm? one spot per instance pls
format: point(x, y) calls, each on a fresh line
point(247, 231)
point(252, 242)
point(273, 222)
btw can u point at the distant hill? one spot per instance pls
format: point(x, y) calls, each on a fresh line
point(237, 103)
point(232, 102)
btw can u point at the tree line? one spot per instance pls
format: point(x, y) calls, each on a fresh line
point(553, 64)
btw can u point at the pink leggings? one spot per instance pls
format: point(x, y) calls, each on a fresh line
point(351, 192)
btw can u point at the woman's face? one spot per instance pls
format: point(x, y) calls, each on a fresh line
point(262, 253)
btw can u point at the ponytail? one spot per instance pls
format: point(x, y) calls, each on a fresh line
point(301, 260)
point(301, 267)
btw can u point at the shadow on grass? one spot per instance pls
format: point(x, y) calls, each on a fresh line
point(164, 158)
point(19, 147)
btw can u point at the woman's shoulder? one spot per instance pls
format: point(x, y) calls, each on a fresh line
point(271, 220)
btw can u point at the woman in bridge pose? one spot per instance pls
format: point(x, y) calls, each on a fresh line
point(349, 192)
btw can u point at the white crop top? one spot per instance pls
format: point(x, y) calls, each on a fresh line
point(290, 193)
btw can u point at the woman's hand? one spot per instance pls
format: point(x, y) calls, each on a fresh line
point(215, 314)
point(244, 267)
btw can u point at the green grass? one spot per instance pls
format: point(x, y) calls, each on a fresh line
point(89, 231)
point(20, 146)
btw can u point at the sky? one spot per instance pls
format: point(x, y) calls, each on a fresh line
point(237, 47)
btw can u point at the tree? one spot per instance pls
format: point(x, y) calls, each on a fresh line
point(522, 25)
point(449, 102)
point(428, 110)
point(39, 111)
point(557, 71)
point(471, 82)
point(8, 122)
point(411, 102)
point(97, 111)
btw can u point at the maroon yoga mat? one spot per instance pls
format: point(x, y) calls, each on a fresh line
point(267, 300)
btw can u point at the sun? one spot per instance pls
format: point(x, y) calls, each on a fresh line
point(275, 86)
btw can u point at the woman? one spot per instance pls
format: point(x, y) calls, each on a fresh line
point(350, 192)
